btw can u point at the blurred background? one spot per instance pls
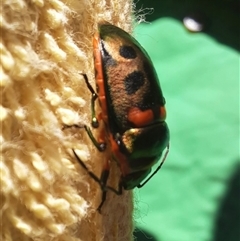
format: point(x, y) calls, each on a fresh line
point(194, 46)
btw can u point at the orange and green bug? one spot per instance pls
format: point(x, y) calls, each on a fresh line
point(132, 109)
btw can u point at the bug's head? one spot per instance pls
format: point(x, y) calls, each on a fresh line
point(146, 143)
point(143, 148)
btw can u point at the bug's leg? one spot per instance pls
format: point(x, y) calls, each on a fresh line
point(116, 191)
point(104, 187)
point(101, 181)
point(91, 174)
point(104, 178)
point(100, 145)
point(95, 122)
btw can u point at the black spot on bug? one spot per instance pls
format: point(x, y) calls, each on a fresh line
point(127, 52)
point(133, 82)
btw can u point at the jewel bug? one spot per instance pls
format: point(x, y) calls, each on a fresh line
point(132, 110)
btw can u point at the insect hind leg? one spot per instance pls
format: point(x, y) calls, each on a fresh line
point(102, 181)
point(91, 174)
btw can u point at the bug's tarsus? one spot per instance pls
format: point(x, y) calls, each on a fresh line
point(104, 195)
point(89, 85)
point(157, 169)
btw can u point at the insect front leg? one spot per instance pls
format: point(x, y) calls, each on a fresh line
point(95, 122)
